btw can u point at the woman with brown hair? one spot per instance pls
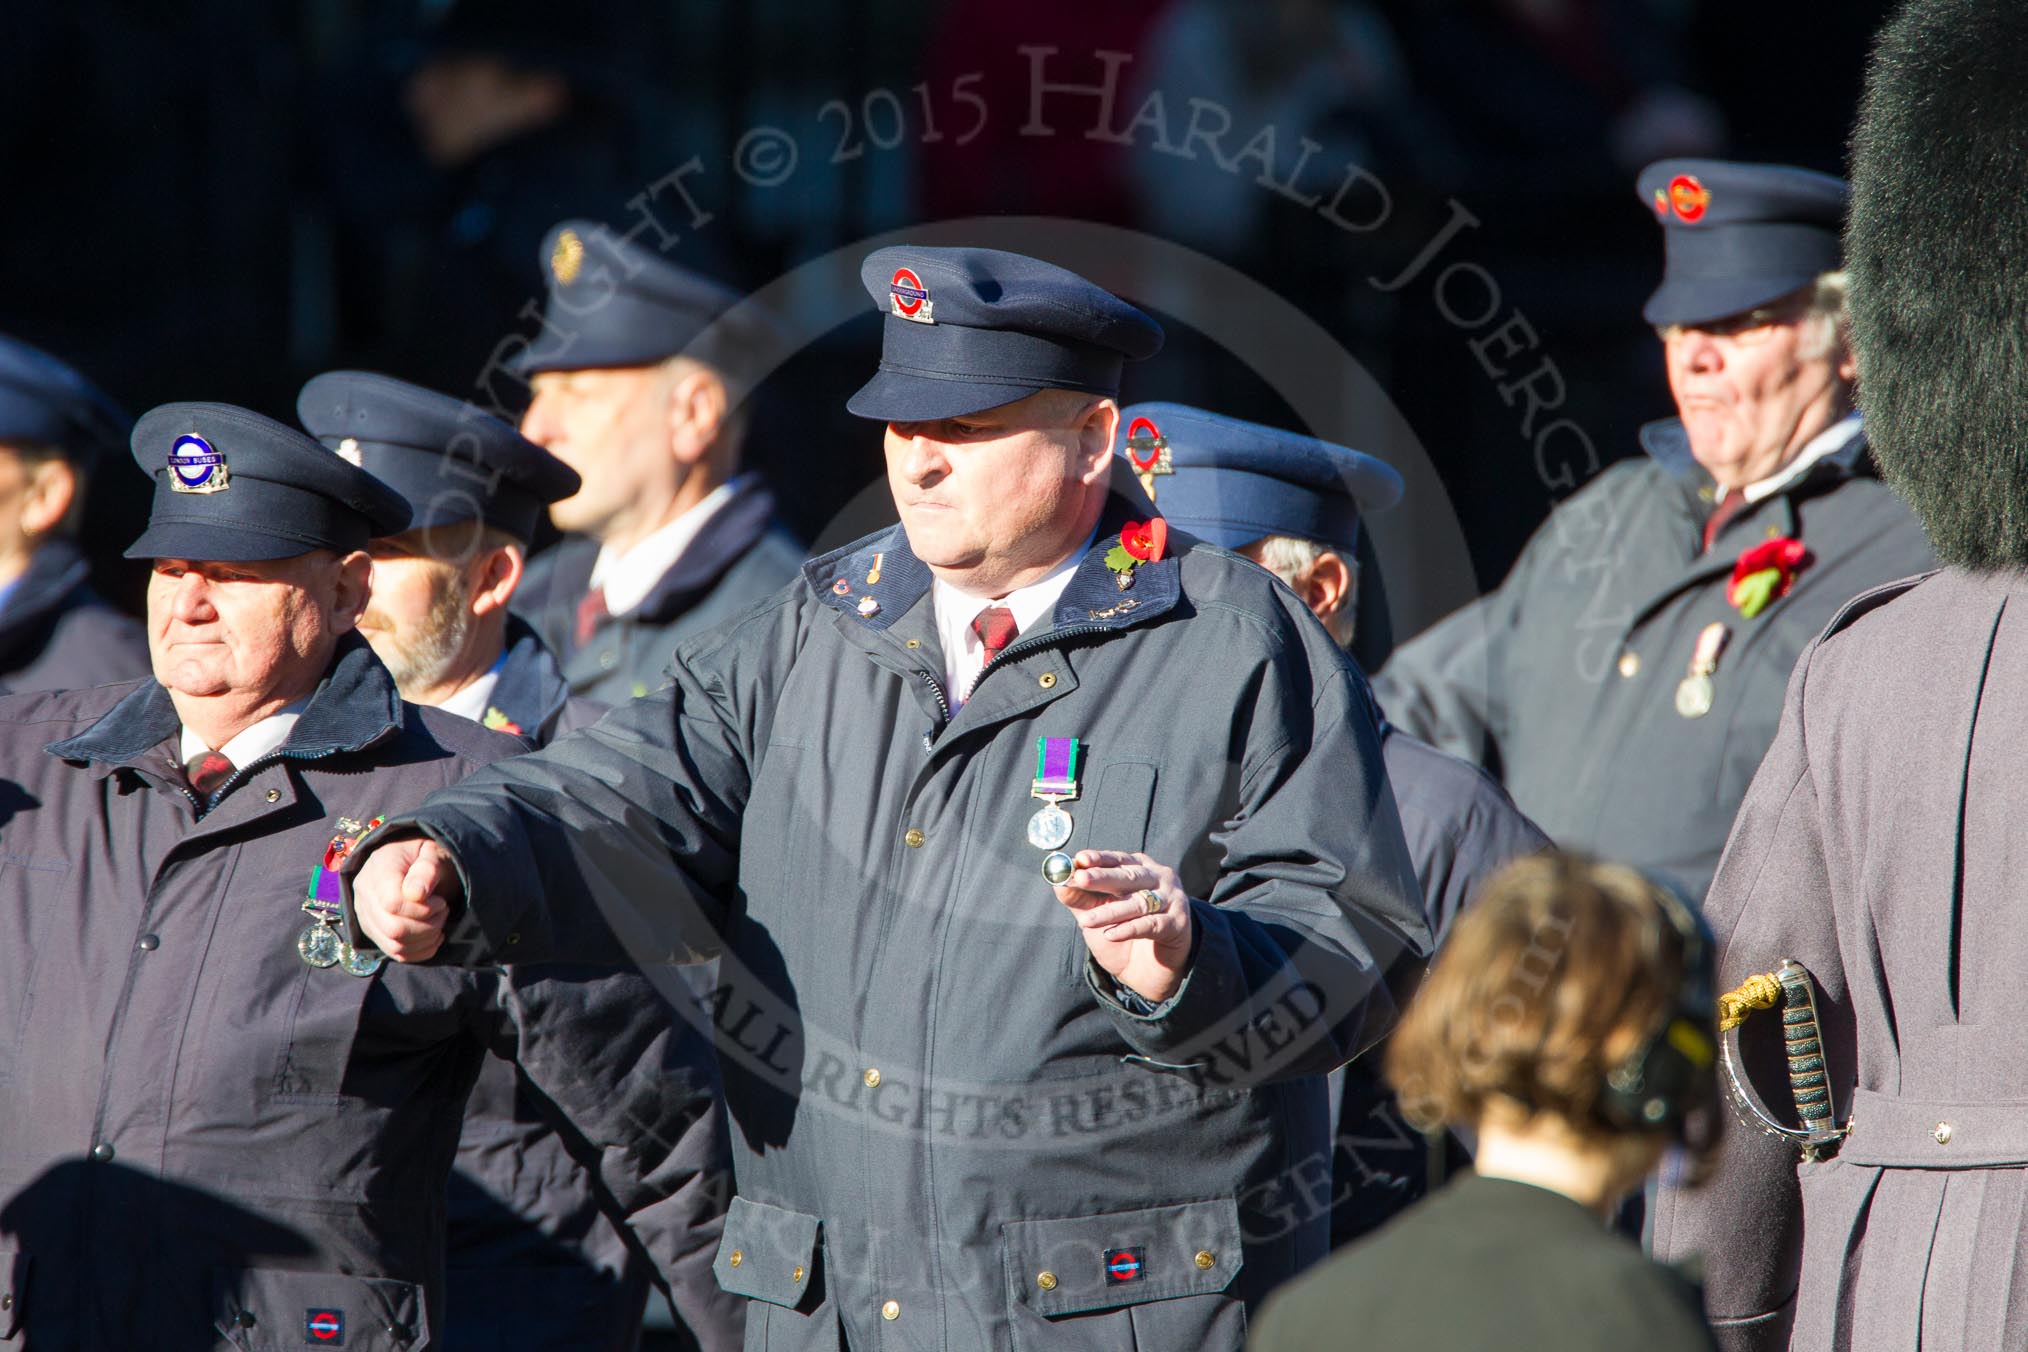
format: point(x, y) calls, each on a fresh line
point(1568, 1026)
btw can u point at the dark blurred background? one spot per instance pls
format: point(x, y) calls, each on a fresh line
point(218, 198)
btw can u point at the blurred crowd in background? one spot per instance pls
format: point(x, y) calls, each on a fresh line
point(213, 199)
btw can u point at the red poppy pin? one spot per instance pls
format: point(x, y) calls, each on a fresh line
point(1765, 573)
point(500, 722)
point(1140, 542)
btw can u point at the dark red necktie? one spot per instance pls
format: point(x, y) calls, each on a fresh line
point(589, 612)
point(207, 772)
point(1728, 507)
point(996, 627)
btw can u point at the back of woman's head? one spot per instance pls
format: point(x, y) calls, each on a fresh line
point(1545, 997)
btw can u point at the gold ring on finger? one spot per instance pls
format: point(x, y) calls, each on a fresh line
point(1152, 901)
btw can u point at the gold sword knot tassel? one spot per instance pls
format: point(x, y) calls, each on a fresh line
point(1756, 992)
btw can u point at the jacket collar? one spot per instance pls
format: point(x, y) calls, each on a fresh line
point(353, 707)
point(722, 542)
point(1667, 443)
point(531, 690)
point(885, 570)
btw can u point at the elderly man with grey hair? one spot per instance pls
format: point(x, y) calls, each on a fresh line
point(1626, 677)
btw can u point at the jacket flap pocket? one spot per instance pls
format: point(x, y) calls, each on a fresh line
point(257, 1309)
point(1123, 1258)
point(767, 1253)
point(13, 1291)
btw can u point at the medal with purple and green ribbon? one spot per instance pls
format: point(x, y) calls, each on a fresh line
point(1055, 780)
point(320, 944)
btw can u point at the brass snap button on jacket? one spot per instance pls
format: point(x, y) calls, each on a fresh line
point(735, 1258)
point(891, 1310)
point(872, 1078)
point(914, 838)
point(1205, 1259)
point(1047, 680)
point(1046, 1280)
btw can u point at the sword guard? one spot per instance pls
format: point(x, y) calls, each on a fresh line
point(1802, 1035)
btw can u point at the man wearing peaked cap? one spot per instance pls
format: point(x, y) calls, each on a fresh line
point(1293, 504)
point(247, 1123)
point(1880, 845)
point(1626, 677)
point(1047, 856)
point(55, 631)
point(526, 1216)
point(641, 376)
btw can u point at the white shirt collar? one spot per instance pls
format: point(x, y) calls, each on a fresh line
point(629, 577)
point(250, 744)
point(964, 655)
point(1815, 449)
point(473, 701)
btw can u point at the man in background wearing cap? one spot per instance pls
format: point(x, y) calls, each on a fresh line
point(1881, 844)
point(641, 375)
point(55, 631)
point(1625, 679)
point(973, 1112)
point(1293, 504)
point(220, 1120)
point(528, 1225)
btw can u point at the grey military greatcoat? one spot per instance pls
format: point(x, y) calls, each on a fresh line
point(1881, 846)
point(949, 1130)
point(1564, 680)
point(205, 1142)
point(740, 556)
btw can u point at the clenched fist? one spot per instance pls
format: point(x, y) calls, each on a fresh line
point(402, 896)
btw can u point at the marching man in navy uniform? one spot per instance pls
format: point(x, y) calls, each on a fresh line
point(640, 377)
point(1293, 504)
point(1626, 677)
point(526, 1212)
point(221, 1121)
point(55, 631)
point(1055, 847)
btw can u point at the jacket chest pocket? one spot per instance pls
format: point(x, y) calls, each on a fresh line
point(323, 1014)
point(1157, 1278)
point(1121, 806)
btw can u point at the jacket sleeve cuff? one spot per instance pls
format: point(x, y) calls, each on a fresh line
point(1209, 994)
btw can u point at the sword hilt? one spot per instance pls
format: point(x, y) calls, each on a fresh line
point(1803, 1042)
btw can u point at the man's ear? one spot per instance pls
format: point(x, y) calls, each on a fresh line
point(698, 406)
point(1326, 585)
point(352, 576)
point(494, 576)
point(1096, 427)
point(52, 488)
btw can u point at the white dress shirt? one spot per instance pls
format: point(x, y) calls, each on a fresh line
point(964, 654)
point(473, 701)
point(628, 577)
point(1815, 449)
point(252, 743)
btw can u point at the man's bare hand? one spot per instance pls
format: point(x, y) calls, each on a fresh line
point(1116, 897)
point(402, 898)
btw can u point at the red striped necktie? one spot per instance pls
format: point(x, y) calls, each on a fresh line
point(996, 628)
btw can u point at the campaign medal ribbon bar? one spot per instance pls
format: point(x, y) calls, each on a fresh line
point(1055, 781)
point(320, 944)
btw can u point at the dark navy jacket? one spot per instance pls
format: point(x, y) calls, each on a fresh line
point(56, 633)
point(537, 1256)
point(205, 1142)
point(740, 556)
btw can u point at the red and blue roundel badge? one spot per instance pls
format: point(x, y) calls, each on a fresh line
point(909, 297)
point(326, 1327)
point(1124, 1265)
point(1689, 198)
point(195, 467)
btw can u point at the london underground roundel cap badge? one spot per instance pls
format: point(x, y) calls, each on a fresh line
point(195, 467)
point(909, 297)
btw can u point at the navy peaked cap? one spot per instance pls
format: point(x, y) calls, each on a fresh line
point(46, 403)
point(614, 303)
point(1233, 482)
point(971, 329)
point(451, 461)
point(234, 487)
point(1738, 235)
